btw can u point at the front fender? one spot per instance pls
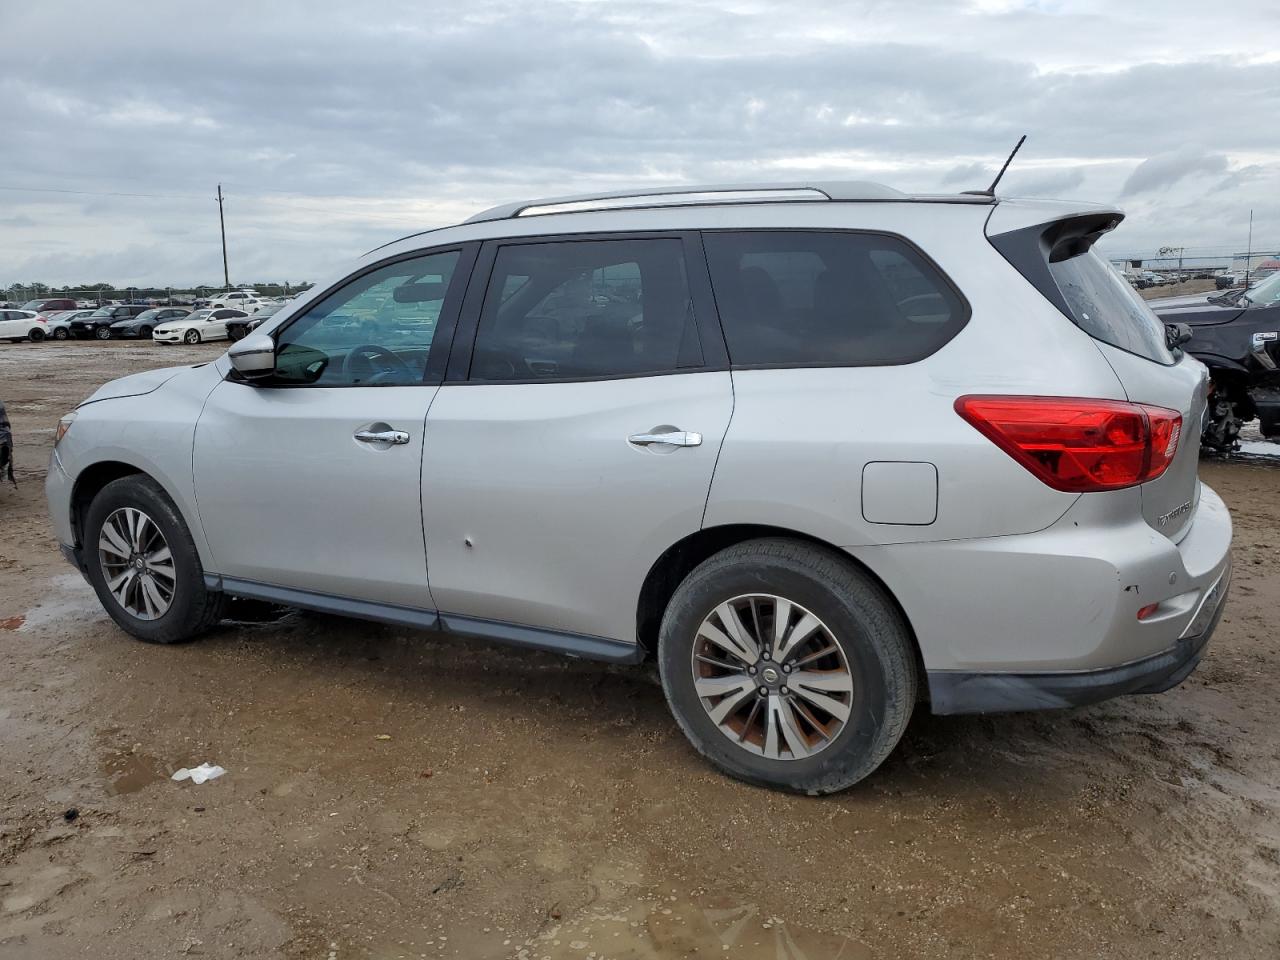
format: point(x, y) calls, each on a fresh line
point(153, 433)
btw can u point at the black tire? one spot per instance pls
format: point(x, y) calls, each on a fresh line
point(194, 609)
point(864, 623)
point(233, 333)
point(1270, 426)
point(60, 333)
point(35, 334)
point(144, 332)
point(102, 333)
point(191, 336)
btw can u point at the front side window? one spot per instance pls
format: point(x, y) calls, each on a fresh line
point(375, 331)
point(583, 309)
point(812, 298)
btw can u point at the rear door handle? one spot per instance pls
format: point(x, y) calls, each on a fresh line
point(382, 436)
point(676, 438)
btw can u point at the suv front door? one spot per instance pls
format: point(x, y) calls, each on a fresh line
point(310, 480)
point(576, 441)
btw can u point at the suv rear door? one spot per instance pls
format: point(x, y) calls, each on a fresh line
point(577, 433)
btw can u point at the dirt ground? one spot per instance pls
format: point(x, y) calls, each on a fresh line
point(1183, 289)
point(400, 794)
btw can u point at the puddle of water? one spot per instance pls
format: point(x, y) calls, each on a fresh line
point(128, 772)
point(1260, 448)
point(69, 598)
point(666, 929)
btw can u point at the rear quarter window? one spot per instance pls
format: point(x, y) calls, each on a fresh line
point(796, 298)
point(1103, 305)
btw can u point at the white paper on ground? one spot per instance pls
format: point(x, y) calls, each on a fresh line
point(206, 771)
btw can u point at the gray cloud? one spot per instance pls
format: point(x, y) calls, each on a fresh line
point(1168, 168)
point(335, 127)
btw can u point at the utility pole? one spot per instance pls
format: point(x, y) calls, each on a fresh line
point(226, 275)
point(1248, 256)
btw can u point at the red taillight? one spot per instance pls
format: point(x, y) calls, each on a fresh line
point(39, 319)
point(1148, 611)
point(1075, 444)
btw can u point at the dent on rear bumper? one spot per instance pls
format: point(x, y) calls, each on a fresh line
point(1064, 599)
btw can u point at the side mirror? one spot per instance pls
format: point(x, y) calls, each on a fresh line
point(254, 357)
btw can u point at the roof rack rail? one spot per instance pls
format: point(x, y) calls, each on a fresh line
point(692, 195)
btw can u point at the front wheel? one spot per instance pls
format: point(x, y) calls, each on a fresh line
point(60, 333)
point(787, 666)
point(35, 334)
point(103, 333)
point(143, 563)
point(192, 336)
point(144, 332)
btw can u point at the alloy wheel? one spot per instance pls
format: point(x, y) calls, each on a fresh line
point(772, 677)
point(137, 564)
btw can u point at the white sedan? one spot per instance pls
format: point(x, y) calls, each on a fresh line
point(18, 325)
point(196, 327)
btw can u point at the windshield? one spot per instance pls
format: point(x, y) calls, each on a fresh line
point(268, 311)
point(147, 315)
point(1108, 309)
point(198, 315)
point(103, 312)
point(1266, 292)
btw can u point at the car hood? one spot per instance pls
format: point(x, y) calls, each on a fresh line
point(134, 385)
point(1197, 311)
point(1197, 299)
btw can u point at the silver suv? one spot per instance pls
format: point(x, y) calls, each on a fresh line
point(821, 449)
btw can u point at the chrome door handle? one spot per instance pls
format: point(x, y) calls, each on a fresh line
point(677, 438)
point(382, 436)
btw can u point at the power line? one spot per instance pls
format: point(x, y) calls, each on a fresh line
point(96, 193)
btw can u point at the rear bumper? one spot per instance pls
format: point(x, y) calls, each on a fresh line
point(953, 691)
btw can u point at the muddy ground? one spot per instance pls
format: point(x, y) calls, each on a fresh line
point(400, 794)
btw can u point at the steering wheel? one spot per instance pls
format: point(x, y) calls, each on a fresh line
point(358, 365)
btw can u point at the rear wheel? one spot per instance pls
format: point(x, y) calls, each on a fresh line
point(787, 666)
point(143, 563)
point(35, 334)
point(192, 336)
point(102, 333)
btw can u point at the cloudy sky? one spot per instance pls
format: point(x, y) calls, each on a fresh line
point(336, 127)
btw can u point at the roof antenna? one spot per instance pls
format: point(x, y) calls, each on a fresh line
point(991, 190)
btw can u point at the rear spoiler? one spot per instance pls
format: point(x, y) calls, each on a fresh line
point(1030, 249)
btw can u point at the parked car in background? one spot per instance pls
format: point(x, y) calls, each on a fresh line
point(19, 325)
point(145, 322)
point(621, 427)
point(48, 306)
point(1236, 335)
point(60, 323)
point(196, 327)
point(245, 300)
point(240, 326)
point(98, 324)
point(1225, 281)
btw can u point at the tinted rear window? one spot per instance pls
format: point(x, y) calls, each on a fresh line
point(794, 298)
point(1104, 306)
